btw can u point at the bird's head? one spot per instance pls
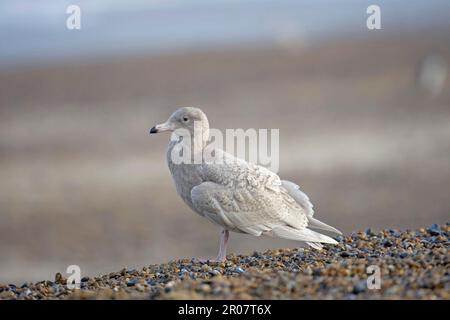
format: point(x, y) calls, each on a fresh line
point(186, 119)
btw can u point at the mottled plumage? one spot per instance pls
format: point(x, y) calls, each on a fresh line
point(240, 196)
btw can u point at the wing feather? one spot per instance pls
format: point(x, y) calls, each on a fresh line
point(251, 199)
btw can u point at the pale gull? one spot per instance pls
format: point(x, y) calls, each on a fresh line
point(237, 195)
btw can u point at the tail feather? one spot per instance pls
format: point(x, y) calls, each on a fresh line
point(316, 224)
point(306, 235)
point(315, 245)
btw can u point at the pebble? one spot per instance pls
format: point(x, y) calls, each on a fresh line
point(435, 230)
point(413, 264)
point(360, 287)
point(395, 233)
point(215, 272)
point(132, 282)
point(387, 243)
point(238, 270)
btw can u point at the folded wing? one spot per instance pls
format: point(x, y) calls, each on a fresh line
point(251, 199)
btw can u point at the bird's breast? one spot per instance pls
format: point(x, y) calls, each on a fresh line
point(185, 176)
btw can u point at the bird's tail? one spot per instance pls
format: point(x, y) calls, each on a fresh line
point(311, 237)
point(319, 225)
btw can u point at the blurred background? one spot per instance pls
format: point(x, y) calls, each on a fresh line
point(364, 119)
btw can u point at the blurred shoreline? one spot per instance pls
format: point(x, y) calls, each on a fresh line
point(83, 183)
point(36, 33)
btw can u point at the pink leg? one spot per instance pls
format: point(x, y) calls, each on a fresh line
point(222, 255)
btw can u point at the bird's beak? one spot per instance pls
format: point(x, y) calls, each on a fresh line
point(160, 128)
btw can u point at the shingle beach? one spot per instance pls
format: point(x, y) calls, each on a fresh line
point(413, 264)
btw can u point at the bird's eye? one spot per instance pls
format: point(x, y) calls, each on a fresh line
point(185, 119)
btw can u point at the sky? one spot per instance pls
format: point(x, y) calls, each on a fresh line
point(33, 32)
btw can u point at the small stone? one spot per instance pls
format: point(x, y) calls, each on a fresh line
point(238, 270)
point(151, 282)
point(58, 277)
point(215, 272)
point(206, 268)
point(131, 283)
point(167, 289)
point(205, 287)
point(395, 233)
point(387, 243)
point(434, 230)
point(360, 287)
point(48, 283)
point(317, 272)
point(360, 255)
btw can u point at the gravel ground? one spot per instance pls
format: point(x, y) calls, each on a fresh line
point(413, 265)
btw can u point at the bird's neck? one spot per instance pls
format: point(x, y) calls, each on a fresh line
point(186, 149)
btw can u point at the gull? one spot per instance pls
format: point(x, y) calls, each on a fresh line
point(236, 195)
